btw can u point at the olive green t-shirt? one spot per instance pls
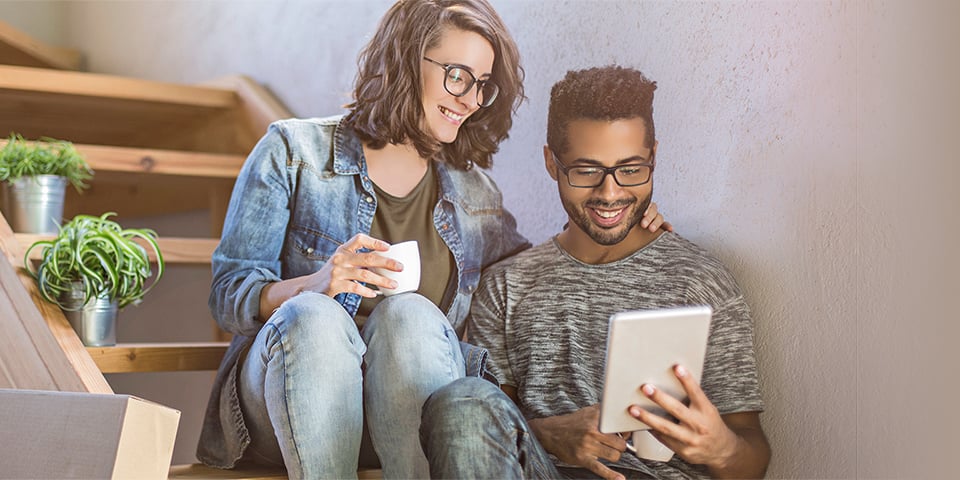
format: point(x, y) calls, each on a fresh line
point(411, 218)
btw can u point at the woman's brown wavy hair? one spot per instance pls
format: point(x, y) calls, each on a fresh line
point(387, 99)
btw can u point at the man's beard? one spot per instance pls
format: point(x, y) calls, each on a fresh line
point(607, 236)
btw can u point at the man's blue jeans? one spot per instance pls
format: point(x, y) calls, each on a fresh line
point(310, 375)
point(471, 429)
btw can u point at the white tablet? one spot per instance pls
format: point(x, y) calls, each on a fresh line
point(642, 347)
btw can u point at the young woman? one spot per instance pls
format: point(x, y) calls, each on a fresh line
point(318, 357)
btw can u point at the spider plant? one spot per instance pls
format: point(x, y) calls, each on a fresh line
point(20, 158)
point(101, 256)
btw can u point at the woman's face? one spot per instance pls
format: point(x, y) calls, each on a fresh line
point(443, 112)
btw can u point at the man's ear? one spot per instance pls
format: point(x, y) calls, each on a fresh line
point(548, 162)
point(653, 152)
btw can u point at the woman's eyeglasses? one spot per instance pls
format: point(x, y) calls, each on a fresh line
point(458, 81)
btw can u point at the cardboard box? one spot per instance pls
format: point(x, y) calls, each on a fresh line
point(47, 434)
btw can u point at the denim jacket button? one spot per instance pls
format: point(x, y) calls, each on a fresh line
point(368, 199)
point(309, 249)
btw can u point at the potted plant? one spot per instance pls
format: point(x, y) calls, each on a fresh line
point(93, 268)
point(35, 175)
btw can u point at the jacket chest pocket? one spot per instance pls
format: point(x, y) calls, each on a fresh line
point(308, 250)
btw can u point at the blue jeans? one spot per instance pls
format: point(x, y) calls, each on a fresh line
point(471, 429)
point(311, 374)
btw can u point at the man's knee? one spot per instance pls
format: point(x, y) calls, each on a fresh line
point(463, 398)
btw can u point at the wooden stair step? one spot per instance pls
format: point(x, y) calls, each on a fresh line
point(158, 357)
point(106, 109)
point(197, 471)
point(106, 88)
point(152, 161)
point(175, 250)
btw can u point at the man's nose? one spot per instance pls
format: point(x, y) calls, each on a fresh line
point(608, 188)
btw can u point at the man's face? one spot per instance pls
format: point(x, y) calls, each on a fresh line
point(606, 213)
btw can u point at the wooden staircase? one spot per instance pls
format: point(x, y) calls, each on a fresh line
point(156, 148)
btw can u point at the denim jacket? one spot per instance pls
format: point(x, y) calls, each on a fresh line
point(304, 191)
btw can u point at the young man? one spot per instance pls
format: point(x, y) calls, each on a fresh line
point(543, 316)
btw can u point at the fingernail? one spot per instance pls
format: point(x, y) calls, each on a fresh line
point(647, 389)
point(394, 284)
point(399, 265)
point(644, 223)
point(635, 411)
point(681, 372)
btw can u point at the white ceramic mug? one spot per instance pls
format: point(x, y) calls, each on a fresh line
point(647, 446)
point(408, 254)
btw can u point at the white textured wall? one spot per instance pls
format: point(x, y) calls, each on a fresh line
point(796, 142)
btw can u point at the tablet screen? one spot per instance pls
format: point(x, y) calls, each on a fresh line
point(642, 347)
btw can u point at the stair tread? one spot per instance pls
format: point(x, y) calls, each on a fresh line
point(198, 471)
point(158, 357)
point(175, 250)
point(106, 87)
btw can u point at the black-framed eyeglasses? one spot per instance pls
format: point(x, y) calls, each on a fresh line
point(458, 80)
point(627, 175)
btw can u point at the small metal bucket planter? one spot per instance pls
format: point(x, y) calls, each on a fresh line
point(95, 322)
point(35, 204)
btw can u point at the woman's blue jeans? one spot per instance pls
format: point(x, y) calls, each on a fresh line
point(311, 374)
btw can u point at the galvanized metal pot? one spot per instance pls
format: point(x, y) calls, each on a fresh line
point(35, 204)
point(95, 322)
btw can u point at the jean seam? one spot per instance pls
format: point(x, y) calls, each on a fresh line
point(286, 396)
point(451, 353)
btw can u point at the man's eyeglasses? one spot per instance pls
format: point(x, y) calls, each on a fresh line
point(628, 175)
point(458, 81)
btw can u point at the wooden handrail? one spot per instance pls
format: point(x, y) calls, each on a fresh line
point(19, 48)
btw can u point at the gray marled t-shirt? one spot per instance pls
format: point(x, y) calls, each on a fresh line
point(544, 317)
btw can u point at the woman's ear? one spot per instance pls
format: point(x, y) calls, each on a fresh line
point(548, 162)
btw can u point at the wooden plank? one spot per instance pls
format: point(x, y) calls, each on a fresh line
point(113, 121)
point(19, 48)
point(175, 250)
point(158, 357)
point(197, 471)
point(112, 87)
point(57, 345)
point(259, 105)
point(20, 364)
point(104, 158)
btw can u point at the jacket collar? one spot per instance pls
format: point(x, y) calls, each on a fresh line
point(347, 151)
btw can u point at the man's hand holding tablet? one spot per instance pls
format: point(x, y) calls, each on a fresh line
point(699, 434)
point(642, 349)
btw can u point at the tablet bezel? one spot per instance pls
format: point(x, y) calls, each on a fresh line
point(642, 347)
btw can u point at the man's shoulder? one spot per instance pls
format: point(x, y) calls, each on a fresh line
point(680, 256)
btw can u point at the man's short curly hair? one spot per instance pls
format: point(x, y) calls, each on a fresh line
point(601, 93)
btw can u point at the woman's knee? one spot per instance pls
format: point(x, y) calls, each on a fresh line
point(312, 320)
point(407, 314)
